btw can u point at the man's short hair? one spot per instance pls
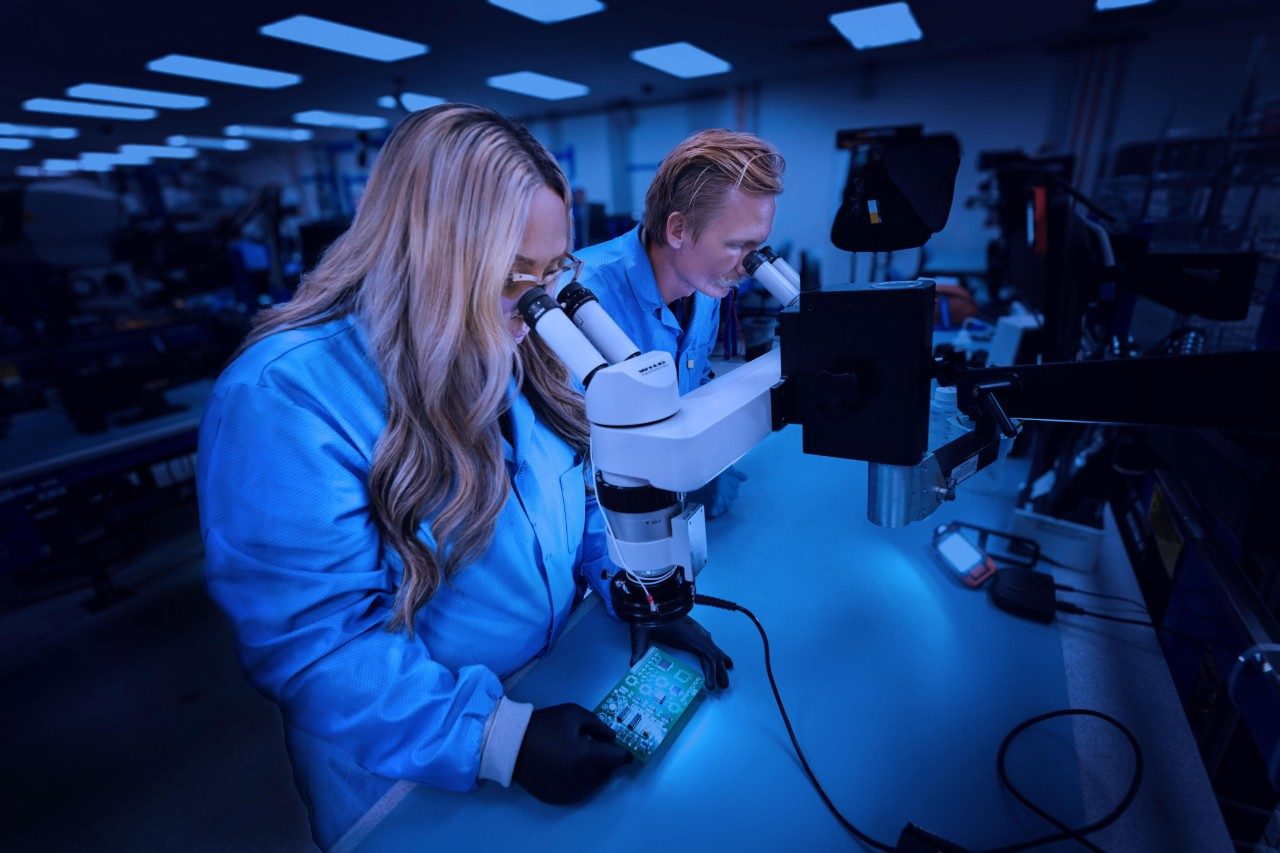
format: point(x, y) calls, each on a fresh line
point(699, 172)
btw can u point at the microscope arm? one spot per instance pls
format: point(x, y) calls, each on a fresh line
point(1224, 391)
point(714, 427)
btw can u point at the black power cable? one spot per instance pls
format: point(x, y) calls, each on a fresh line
point(1075, 834)
point(786, 720)
point(1068, 607)
point(1065, 833)
point(1061, 587)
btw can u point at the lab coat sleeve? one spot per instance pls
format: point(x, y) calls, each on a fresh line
point(595, 565)
point(294, 559)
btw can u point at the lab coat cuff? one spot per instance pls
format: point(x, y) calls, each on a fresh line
point(503, 734)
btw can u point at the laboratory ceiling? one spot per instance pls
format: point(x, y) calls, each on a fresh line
point(48, 46)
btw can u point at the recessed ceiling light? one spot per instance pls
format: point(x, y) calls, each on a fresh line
point(274, 134)
point(83, 108)
point(215, 143)
point(141, 97)
point(57, 165)
point(538, 85)
point(103, 158)
point(170, 151)
point(550, 11)
point(325, 118)
point(411, 101)
point(12, 144)
point(681, 59)
point(223, 72)
point(331, 35)
point(37, 130)
point(877, 26)
point(1108, 5)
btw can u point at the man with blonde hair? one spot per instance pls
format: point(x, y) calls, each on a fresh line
point(711, 202)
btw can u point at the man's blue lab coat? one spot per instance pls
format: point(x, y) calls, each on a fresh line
point(619, 274)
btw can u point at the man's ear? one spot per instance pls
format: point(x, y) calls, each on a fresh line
point(677, 231)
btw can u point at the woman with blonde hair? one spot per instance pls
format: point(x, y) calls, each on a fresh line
point(391, 487)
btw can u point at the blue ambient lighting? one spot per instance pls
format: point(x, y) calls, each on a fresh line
point(324, 118)
point(1108, 5)
point(170, 151)
point(412, 101)
point(681, 59)
point(61, 165)
point(37, 130)
point(550, 11)
point(223, 72)
point(538, 85)
point(81, 108)
point(274, 134)
point(330, 35)
point(215, 143)
point(877, 26)
point(12, 144)
point(141, 97)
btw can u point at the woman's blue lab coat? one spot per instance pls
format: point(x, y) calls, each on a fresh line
point(296, 562)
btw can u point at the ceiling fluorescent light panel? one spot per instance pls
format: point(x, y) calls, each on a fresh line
point(330, 35)
point(223, 72)
point(877, 26)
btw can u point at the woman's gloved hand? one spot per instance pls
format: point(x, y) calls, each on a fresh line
point(685, 633)
point(718, 495)
point(567, 753)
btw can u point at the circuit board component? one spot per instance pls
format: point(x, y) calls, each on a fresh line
point(651, 702)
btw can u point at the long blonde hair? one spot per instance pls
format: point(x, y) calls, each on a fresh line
point(423, 266)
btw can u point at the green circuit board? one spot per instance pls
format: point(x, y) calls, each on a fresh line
point(651, 703)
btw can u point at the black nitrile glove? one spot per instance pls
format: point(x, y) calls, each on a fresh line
point(567, 753)
point(685, 633)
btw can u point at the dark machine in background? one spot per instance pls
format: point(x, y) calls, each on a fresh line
point(1174, 259)
point(114, 320)
point(886, 184)
point(1177, 434)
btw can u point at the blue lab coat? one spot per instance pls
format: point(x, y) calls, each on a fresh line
point(620, 275)
point(296, 562)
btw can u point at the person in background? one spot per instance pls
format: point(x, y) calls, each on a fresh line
point(711, 202)
point(391, 487)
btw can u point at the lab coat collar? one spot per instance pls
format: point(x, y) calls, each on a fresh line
point(643, 281)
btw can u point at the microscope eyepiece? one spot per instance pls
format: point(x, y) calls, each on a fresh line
point(542, 315)
point(533, 305)
point(586, 312)
point(572, 297)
